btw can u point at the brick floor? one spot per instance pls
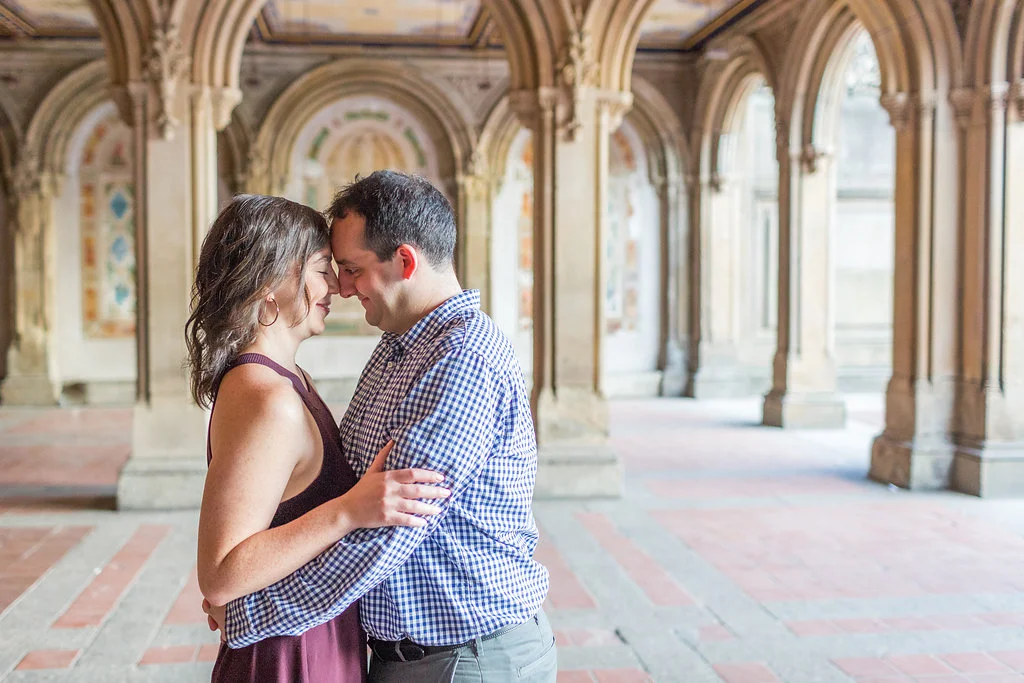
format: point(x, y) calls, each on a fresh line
point(737, 554)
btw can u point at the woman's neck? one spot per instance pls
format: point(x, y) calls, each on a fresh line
point(280, 348)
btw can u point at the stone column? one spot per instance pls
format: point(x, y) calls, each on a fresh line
point(989, 429)
point(175, 126)
point(674, 306)
point(915, 451)
point(571, 129)
point(474, 219)
point(32, 373)
point(803, 391)
point(715, 369)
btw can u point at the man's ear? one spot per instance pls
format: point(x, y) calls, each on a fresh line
point(409, 259)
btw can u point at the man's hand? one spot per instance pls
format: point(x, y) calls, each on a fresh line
point(215, 617)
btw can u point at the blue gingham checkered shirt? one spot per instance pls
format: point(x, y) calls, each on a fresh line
point(450, 393)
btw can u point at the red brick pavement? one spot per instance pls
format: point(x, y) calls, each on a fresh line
point(187, 609)
point(48, 659)
point(859, 549)
point(28, 553)
point(97, 601)
point(659, 586)
point(855, 546)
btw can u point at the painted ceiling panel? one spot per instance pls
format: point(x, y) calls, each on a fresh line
point(377, 18)
point(53, 16)
point(669, 23)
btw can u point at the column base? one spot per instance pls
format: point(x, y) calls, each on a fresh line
point(29, 390)
point(578, 471)
point(991, 470)
point(804, 411)
point(149, 483)
point(908, 466)
point(673, 382)
point(167, 468)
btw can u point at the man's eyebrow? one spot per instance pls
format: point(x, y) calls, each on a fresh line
point(346, 262)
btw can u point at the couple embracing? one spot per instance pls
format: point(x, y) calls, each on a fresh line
point(407, 529)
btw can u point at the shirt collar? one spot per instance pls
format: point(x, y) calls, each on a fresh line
point(425, 328)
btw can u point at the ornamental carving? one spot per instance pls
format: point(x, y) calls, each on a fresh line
point(257, 172)
point(26, 178)
point(166, 63)
point(809, 157)
point(578, 70)
point(899, 108)
point(781, 139)
point(962, 100)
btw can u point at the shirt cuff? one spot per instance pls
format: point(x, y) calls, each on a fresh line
point(237, 629)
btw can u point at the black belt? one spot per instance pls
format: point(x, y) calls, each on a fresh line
point(406, 650)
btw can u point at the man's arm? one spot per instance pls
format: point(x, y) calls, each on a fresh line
point(447, 424)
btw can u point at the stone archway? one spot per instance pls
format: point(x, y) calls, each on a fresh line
point(508, 150)
point(919, 65)
point(989, 106)
point(726, 349)
point(175, 74)
point(34, 375)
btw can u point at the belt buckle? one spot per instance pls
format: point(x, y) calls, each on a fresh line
point(415, 654)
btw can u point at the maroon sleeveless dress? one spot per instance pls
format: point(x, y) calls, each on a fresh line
point(335, 651)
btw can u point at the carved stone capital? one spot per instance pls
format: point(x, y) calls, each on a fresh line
point(809, 156)
point(963, 101)
point(257, 171)
point(166, 64)
point(531, 106)
point(474, 187)
point(716, 182)
point(617, 104)
point(577, 70)
point(997, 97)
point(900, 109)
point(781, 139)
point(224, 101)
point(26, 178)
point(475, 180)
point(668, 186)
point(476, 163)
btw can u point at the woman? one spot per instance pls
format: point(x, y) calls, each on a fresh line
point(278, 491)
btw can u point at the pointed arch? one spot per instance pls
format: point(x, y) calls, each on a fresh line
point(916, 44)
point(60, 113)
point(993, 42)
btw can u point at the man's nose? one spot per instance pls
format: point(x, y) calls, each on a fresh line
point(346, 288)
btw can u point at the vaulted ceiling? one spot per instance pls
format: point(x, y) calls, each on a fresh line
point(670, 24)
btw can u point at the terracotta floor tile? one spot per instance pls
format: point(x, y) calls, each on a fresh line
point(48, 659)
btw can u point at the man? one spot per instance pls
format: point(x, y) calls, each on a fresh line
point(460, 598)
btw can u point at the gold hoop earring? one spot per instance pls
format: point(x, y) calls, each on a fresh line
point(277, 313)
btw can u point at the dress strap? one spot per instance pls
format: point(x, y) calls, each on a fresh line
point(258, 358)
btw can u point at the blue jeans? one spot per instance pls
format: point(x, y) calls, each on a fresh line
point(526, 653)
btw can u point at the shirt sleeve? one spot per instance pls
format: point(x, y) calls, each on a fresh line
point(446, 423)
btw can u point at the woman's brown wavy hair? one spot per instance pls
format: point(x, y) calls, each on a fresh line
point(253, 247)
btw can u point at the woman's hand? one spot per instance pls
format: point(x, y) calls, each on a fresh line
point(391, 498)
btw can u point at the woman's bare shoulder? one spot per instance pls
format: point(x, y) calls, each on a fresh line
point(257, 393)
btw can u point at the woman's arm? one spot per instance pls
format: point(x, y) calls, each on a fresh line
point(258, 436)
